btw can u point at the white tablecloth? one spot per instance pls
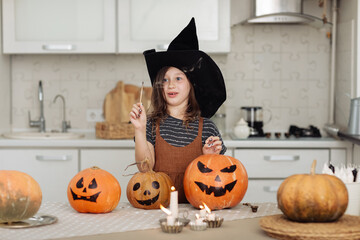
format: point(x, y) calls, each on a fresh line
point(124, 218)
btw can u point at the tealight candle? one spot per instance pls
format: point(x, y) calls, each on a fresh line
point(198, 220)
point(174, 202)
point(202, 211)
point(210, 216)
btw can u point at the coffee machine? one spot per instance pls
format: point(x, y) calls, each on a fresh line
point(254, 117)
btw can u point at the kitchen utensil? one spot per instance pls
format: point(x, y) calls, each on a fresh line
point(35, 221)
point(242, 129)
point(254, 117)
point(354, 119)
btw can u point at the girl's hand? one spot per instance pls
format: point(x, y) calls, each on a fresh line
point(213, 145)
point(138, 116)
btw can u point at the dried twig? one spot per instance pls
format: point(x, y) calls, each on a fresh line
point(254, 208)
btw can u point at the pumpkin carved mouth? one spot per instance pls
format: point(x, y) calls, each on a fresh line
point(91, 198)
point(218, 191)
point(149, 201)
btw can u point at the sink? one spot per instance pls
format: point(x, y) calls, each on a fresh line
point(43, 135)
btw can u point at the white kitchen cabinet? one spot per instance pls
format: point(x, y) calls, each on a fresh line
point(153, 24)
point(52, 169)
point(113, 161)
point(267, 168)
point(59, 26)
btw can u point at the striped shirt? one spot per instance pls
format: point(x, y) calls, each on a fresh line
point(176, 134)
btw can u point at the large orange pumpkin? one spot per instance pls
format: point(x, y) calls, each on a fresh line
point(147, 190)
point(20, 196)
point(218, 181)
point(312, 197)
point(94, 190)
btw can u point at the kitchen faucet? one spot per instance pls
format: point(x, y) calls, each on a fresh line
point(65, 124)
point(41, 122)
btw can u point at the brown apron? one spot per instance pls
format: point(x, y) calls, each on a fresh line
point(174, 160)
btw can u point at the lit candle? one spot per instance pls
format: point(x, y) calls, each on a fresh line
point(198, 220)
point(170, 220)
point(202, 211)
point(210, 216)
point(174, 202)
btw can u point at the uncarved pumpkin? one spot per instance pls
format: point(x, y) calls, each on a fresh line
point(94, 190)
point(219, 181)
point(147, 190)
point(20, 196)
point(312, 197)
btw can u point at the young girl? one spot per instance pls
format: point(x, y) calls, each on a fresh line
point(179, 129)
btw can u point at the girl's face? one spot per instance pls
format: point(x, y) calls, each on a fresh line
point(176, 87)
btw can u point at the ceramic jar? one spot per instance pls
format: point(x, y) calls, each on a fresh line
point(242, 130)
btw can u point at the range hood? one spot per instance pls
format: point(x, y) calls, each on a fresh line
point(283, 12)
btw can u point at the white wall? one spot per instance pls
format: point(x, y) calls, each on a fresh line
point(284, 68)
point(4, 88)
point(346, 61)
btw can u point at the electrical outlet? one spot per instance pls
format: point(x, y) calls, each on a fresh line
point(94, 115)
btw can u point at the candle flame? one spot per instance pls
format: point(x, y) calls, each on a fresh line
point(165, 210)
point(172, 188)
point(201, 206)
point(207, 208)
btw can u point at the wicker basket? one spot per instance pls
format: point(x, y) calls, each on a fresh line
point(108, 130)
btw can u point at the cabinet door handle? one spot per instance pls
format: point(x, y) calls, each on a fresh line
point(282, 158)
point(53, 158)
point(58, 47)
point(162, 46)
point(271, 188)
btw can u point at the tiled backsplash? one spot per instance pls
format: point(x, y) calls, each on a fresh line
point(283, 68)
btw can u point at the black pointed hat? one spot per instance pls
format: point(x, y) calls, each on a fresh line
point(184, 54)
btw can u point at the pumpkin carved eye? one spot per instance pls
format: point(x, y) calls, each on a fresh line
point(230, 169)
point(93, 184)
point(156, 184)
point(136, 186)
point(203, 168)
point(80, 183)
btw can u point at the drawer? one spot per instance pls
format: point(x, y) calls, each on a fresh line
point(52, 169)
point(280, 163)
point(262, 191)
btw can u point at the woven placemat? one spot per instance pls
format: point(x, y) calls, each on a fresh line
point(278, 226)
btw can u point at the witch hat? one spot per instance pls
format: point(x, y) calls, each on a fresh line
point(203, 73)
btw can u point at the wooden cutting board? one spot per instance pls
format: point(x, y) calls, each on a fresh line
point(120, 100)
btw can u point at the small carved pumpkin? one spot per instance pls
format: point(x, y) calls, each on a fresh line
point(20, 196)
point(147, 190)
point(217, 180)
point(94, 190)
point(312, 197)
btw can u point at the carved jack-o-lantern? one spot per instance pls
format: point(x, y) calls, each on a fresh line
point(147, 190)
point(94, 190)
point(217, 180)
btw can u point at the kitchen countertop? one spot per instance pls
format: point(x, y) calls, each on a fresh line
point(352, 138)
point(90, 141)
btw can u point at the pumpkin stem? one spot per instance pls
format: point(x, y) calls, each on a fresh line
point(145, 162)
point(313, 165)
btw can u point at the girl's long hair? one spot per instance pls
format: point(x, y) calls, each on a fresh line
point(159, 105)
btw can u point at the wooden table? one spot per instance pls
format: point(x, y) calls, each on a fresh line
point(247, 229)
